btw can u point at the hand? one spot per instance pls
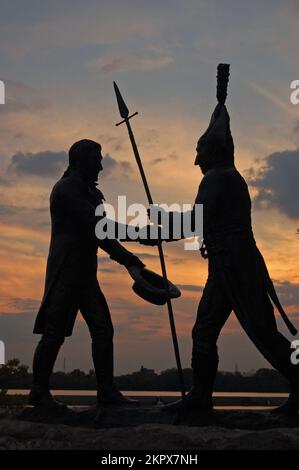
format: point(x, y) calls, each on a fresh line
point(135, 272)
point(204, 251)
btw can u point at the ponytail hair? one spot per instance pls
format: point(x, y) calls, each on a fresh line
point(67, 172)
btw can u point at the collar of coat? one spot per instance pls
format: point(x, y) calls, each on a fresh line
point(91, 187)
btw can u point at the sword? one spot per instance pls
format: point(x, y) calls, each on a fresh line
point(124, 112)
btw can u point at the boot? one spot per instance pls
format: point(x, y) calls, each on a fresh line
point(200, 396)
point(194, 400)
point(108, 394)
point(291, 406)
point(43, 362)
point(113, 397)
point(43, 398)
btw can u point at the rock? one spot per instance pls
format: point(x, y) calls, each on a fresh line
point(112, 416)
point(233, 419)
point(147, 428)
point(15, 435)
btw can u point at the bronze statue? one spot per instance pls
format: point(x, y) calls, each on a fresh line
point(71, 277)
point(238, 279)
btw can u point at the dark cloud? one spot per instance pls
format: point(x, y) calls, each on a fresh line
point(24, 305)
point(158, 160)
point(287, 292)
point(277, 182)
point(143, 319)
point(126, 166)
point(25, 216)
point(110, 165)
point(149, 256)
point(45, 163)
point(171, 156)
point(52, 164)
point(296, 127)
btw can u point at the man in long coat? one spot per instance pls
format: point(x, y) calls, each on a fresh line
point(238, 279)
point(71, 277)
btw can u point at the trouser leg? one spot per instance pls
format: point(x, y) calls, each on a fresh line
point(213, 311)
point(95, 311)
point(44, 359)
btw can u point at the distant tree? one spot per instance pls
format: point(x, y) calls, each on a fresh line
point(77, 373)
point(13, 374)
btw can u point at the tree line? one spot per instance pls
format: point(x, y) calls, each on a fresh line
point(14, 375)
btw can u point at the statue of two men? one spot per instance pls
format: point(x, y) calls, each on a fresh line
point(238, 279)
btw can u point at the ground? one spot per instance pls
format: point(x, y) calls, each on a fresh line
point(146, 428)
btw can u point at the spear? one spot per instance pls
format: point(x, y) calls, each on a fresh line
point(124, 112)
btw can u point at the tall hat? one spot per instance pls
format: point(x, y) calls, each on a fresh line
point(216, 146)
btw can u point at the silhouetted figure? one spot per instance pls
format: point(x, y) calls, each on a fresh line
point(238, 279)
point(71, 277)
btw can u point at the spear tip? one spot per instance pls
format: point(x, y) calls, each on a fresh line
point(123, 110)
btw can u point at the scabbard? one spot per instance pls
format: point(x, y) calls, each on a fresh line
point(273, 296)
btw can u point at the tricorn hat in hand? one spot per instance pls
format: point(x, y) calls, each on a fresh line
point(150, 287)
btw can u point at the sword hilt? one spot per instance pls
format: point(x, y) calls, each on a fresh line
point(126, 119)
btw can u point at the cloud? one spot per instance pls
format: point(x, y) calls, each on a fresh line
point(24, 305)
point(148, 61)
point(287, 292)
point(109, 164)
point(45, 163)
point(52, 164)
point(24, 217)
point(172, 156)
point(273, 98)
point(93, 24)
point(126, 166)
point(277, 182)
point(16, 106)
point(158, 160)
point(19, 98)
point(149, 256)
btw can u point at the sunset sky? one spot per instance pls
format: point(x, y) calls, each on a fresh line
point(58, 62)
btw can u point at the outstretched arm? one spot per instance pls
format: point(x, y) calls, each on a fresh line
point(174, 225)
point(74, 204)
point(120, 254)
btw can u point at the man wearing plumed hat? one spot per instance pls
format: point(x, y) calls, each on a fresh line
point(238, 279)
